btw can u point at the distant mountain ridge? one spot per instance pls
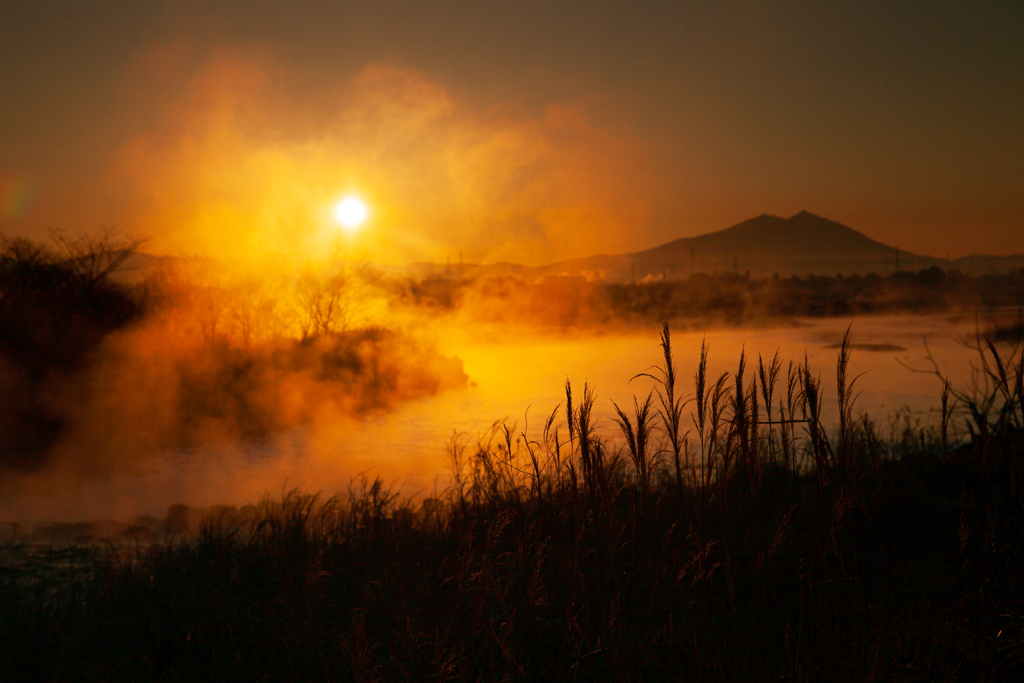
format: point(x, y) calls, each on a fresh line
point(803, 244)
point(800, 245)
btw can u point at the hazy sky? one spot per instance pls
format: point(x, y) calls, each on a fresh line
point(529, 131)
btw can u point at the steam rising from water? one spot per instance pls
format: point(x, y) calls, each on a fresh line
point(242, 167)
point(513, 375)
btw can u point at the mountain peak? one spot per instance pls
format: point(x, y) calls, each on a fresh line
point(799, 245)
point(802, 243)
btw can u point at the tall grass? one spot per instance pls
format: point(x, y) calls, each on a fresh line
point(778, 549)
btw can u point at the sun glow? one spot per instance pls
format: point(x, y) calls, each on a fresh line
point(350, 212)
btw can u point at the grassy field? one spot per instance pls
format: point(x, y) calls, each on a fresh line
point(756, 546)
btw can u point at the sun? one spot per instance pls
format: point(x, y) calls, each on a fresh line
point(350, 212)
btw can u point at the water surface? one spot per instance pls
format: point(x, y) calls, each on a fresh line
point(519, 380)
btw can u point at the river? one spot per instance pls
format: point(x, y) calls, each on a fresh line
point(520, 379)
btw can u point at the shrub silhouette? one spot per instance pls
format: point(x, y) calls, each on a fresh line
point(55, 306)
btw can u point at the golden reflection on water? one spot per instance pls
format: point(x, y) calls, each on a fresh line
point(521, 380)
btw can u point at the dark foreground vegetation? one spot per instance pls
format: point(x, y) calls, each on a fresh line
point(754, 547)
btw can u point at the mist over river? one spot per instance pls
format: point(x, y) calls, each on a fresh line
point(520, 379)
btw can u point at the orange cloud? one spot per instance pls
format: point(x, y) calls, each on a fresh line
point(247, 164)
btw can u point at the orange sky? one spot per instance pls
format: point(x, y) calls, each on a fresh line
point(234, 167)
point(529, 133)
